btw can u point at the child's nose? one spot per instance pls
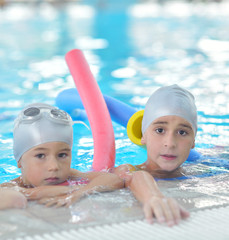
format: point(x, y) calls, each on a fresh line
point(170, 141)
point(53, 164)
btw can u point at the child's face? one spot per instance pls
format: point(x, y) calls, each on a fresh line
point(168, 141)
point(46, 164)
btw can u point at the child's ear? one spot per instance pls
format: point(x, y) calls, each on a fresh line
point(143, 142)
point(19, 164)
point(193, 144)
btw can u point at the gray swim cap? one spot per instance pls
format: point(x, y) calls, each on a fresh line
point(40, 123)
point(170, 100)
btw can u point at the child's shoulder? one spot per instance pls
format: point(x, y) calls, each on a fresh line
point(125, 168)
point(12, 183)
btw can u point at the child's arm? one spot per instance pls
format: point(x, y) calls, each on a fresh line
point(164, 209)
point(11, 199)
point(36, 193)
point(40, 192)
point(98, 182)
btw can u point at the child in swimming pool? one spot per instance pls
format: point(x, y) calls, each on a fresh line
point(43, 137)
point(168, 130)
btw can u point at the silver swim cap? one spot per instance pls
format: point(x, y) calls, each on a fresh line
point(170, 100)
point(40, 123)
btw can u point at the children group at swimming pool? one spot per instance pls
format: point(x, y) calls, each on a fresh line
point(43, 137)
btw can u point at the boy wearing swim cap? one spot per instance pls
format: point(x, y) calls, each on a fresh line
point(168, 130)
point(43, 137)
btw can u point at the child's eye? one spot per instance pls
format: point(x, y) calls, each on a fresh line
point(62, 155)
point(40, 156)
point(182, 132)
point(160, 130)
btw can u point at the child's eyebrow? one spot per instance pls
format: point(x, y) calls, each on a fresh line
point(43, 149)
point(185, 125)
point(40, 149)
point(160, 122)
point(66, 149)
point(181, 124)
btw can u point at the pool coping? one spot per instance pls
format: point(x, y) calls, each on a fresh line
point(208, 224)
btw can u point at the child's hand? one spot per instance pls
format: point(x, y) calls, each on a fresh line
point(60, 201)
point(48, 192)
point(165, 210)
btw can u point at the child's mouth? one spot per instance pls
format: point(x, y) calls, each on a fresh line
point(168, 157)
point(52, 180)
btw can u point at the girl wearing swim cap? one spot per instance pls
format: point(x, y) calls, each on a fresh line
point(43, 137)
point(167, 130)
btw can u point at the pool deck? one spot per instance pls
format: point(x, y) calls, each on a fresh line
point(117, 215)
point(208, 224)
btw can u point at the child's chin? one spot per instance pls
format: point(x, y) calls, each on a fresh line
point(169, 169)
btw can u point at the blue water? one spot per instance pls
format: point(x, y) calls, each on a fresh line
point(133, 48)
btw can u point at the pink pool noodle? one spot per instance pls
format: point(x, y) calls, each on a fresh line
point(96, 109)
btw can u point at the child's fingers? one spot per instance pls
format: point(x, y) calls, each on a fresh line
point(175, 209)
point(174, 212)
point(61, 203)
point(68, 204)
point(44, 200)
point(48, 202)
point(148, 212)
point(167, 211)
point(158, 210)
point(178, 211)
point(64, 202)
point(184, 213)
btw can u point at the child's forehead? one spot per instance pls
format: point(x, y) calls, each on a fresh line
point(51, 146)
point(172, 119)
point(56, 144)
point(170, 100)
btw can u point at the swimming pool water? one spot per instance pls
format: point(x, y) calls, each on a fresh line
point(133, 48)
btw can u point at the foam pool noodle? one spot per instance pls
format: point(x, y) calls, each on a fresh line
point(96, 109)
